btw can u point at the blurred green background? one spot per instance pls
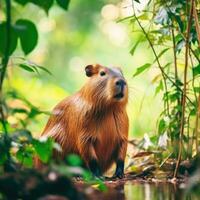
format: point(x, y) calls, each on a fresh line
point(89, 32)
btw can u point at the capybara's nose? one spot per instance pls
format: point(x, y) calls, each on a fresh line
point(120, 82)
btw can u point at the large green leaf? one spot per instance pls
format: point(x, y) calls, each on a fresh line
point(63, 3)
point(45, 4)
point(3, 39)
point(22, 2)
point(28, 35)
point(142, 69)
point(43, 149)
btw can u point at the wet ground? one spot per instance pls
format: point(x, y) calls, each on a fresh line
point(144, 191)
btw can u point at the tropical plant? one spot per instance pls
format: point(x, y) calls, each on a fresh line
point(172, 28)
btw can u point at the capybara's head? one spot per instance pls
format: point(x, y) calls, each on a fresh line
point(106, 85)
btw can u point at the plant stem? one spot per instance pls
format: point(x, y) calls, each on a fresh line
point(193, 78)
point(156, 57)
point(7, 46)
point(174, 53)
point(184, 90)
point(196, 22)
point(176, 79)
point(197, 125)
point(5, 60)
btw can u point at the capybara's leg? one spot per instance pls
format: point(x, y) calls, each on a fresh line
point(89, 156)
point(120, 160)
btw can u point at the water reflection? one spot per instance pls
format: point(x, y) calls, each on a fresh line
point(146, 191)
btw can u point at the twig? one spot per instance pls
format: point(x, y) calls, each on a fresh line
point(184, 90)
point(164, 161)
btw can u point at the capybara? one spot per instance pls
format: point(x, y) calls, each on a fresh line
point(93, 122)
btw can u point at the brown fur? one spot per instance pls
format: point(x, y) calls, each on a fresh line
point(91, 122)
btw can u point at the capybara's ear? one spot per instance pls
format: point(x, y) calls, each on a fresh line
point(89, 70)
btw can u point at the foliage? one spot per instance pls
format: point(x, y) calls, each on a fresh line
point(168, 27)
point(172, 24)
point(17, 146)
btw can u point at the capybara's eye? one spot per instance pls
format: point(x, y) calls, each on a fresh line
point(102, 73)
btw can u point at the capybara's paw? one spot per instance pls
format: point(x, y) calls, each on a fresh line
point(119, 174)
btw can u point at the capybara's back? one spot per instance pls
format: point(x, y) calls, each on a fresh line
point(93, 122)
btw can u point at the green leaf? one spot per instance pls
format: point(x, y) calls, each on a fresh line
point(132, 51)
point(161, 126)
point(137, 1)
point(26, 67)
point(159, 87)
point(161, 53)
point(25, 156)
point(125, 18)
point(196, 70)
point(63, 3)
point(197, 89)
point(174, 96)
point(44, 149)
point(142, 69)
point(74, 160)
point(18, 110)
point(43, 69)
point(193, 112)
point(3, 39)
point(45, 4)
point(3, 158)
point(180, 22)
point(22, 2)
point(32, 67)
point(34, 112)
point(180, 45)
point(28, 35)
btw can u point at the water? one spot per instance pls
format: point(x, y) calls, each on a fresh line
point(146, 191)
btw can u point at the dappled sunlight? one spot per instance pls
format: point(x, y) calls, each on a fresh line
point(107, 40)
